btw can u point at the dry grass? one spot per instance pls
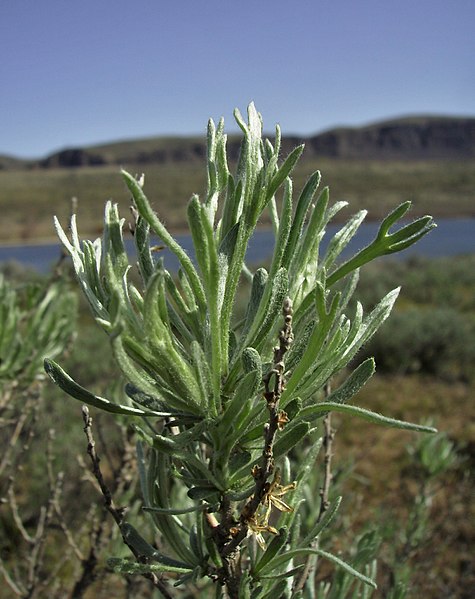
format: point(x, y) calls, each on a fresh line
point(382, 481)
point(29, 199)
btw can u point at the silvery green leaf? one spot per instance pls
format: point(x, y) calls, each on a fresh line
point(142, 245)
point(159, 483)
point(360, 332)
point(244, 394)
point(228, 244)
point(386, 243)
point(178, 300)
point(113, 241)
point(408, 235)
point(306, 252)
point(232, 208)
point(67, 384)
point(288, 556)
point(284, 228)
point(352, 385)
point(173, 511)
point(348, 289)
point(303, 205)
point(200, 239)
point(274, 217)
point(81, 268)
point(211, 156)
point(286, 574)
point(127, 566)
point(274, 547)
point(139, 368)
point(305, 466)
point(147, 214)
point(251, 360)
point(315, 344)
point(256, 201)
point(195, 542)
point(392, 219)
point(327, 406)
point(142, 468)
point(143, 399)
point(143, 548)
point(259, 282)
point(270, 310)
point(378, 315)
point(341, 239)
point(290, 437)
point(239, 460)
point(322, 522)
point(203, 374)
point(251, 161)
point(276, 590)
point(298, 347)
point(283, 172)
point(221, 158)
point(293, 408)
point(134, 539)
point(203, 493)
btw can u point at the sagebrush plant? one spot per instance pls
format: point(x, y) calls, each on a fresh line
point(36, 320)
point(222, 405)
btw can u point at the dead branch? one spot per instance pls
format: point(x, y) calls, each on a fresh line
point(116, 512)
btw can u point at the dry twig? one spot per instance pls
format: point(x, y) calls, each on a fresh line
point(229, 534)
point(116, 512)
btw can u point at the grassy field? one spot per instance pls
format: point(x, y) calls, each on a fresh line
point(30, 198)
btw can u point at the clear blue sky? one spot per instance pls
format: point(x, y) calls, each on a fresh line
point(77, 73)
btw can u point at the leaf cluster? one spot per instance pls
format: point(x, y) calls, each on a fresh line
point(217, 404)
point(36, 320)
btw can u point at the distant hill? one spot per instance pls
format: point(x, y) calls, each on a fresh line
point(421, 138)
point(10, 163)
point(414, 138)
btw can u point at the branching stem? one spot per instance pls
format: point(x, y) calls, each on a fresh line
point(274, 384)
point(116, 512)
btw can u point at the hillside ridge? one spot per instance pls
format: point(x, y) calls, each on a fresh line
point(410, 137)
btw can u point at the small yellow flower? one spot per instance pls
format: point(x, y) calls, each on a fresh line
point(256, 527)
point(282, 420)
point(274, 493)
point(259, 523)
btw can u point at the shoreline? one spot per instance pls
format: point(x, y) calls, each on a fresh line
point(53, 239)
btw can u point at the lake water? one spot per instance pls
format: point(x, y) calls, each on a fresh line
point(451, 238)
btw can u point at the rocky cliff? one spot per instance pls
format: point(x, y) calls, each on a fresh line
point(412, 138)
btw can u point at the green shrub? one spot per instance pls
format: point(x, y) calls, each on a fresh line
point(435, 341)
point(438, 282)
point(35, 321)
point(220, 402)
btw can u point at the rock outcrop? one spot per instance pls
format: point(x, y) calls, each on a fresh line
point(412, 138)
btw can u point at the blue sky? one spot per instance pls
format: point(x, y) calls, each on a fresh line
point(78, 73)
